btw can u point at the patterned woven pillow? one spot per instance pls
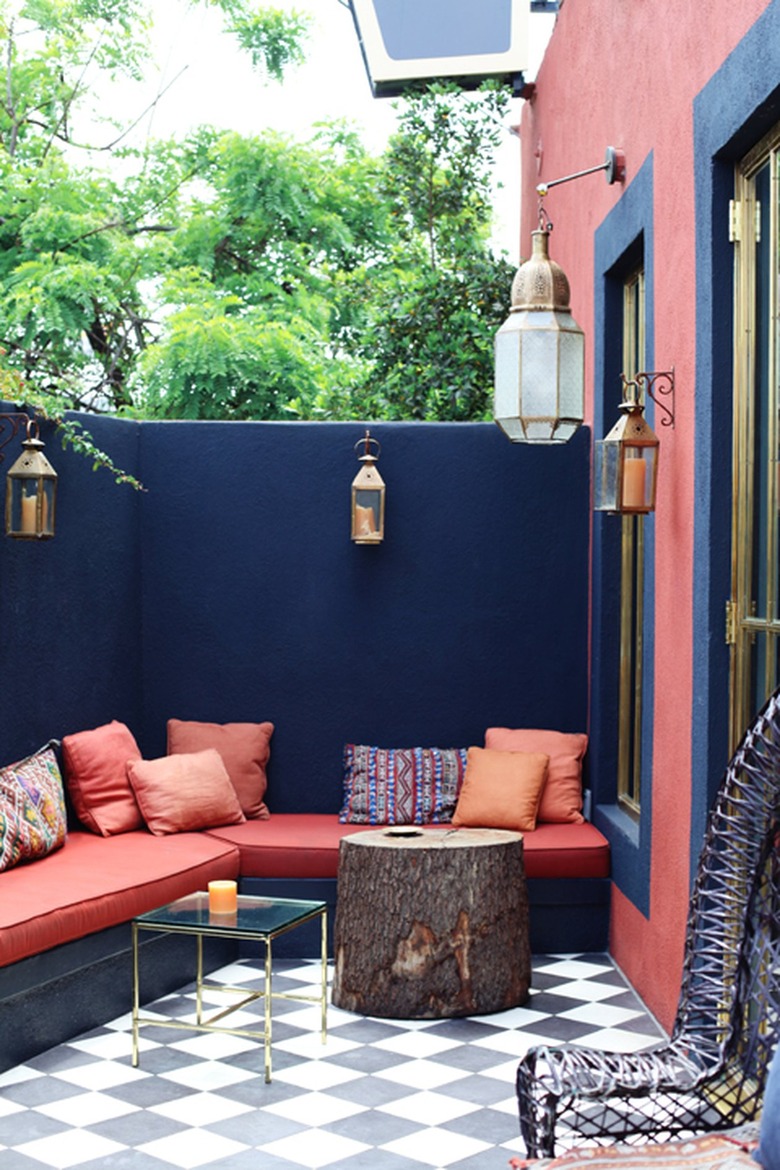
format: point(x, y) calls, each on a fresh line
point(714, 1152)
point(32, 809)
point(401, 786)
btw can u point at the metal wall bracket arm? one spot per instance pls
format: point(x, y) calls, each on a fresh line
point(657, 382)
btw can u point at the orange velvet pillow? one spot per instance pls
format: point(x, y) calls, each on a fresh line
point(501, 790)
point(95, 766)
point(562, 796)
point(244, 748)
point(184, 792)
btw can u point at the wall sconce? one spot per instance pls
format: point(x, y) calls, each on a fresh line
point(625, 463)
point(368, 495)
point(31, 484)
point(540, 348)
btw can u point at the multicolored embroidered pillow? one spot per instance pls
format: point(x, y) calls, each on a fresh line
point(32, 809)
point(401, 786)
point(715, 1152)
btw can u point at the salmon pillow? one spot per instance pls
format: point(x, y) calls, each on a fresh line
point(501, 790)
point(95, 766)
point(180, 793)
point(561, 801)
point(245, 749)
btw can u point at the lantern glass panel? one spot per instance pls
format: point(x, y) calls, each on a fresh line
point(30, 506)
point(606, 459)
point(637, 489)
point(507, 399)
point(572, 374)
point(367, 514)
point(539, 369)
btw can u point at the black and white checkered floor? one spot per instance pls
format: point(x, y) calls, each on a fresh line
point(384, 1094)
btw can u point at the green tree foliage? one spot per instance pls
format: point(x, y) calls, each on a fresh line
point(224, 276)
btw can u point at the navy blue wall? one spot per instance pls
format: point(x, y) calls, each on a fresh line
point(70, 614)
point(230, 590)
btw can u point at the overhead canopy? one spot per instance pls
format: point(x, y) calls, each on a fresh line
point(409, 41)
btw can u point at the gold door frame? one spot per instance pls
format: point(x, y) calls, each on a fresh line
point(752, 618)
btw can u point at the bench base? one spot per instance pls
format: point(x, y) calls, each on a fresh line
point(71, 989)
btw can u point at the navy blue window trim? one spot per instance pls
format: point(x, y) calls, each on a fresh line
point(624, 239)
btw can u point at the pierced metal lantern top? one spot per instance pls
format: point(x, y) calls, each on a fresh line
point(540, 283)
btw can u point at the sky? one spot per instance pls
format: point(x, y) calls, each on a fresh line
point(213, 82)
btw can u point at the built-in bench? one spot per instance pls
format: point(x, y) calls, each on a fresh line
point(141, 833)
point(65, 919)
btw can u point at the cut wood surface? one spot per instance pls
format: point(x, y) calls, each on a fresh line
point(431, 923)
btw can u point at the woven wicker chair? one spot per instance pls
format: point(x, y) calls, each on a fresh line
point(711, 1073)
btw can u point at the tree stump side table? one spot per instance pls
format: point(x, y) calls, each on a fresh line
point(431, 923)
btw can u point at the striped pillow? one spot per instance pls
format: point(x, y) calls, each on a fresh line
point(401, 786)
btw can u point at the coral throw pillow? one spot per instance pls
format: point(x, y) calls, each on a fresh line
point(245, 749)
point(32, 809)
point(501, 790)
point(562, 796)
point(184, 792)
point(95, 765)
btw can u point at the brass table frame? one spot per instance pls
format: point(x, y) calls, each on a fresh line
point(214, 928)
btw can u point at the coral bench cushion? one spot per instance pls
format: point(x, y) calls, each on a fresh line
point(97, 882)
point(306, 845)
point(289, 845)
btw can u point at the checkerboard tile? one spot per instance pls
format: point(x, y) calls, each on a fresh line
point(384, 1094)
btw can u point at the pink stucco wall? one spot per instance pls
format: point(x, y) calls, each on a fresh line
point(625, 75)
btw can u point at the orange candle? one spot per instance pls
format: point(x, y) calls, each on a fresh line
point(364, 521)
point(223, 897)
point(29, 505)
point(634, 483)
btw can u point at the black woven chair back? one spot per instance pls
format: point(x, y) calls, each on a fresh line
point(733, 938)
point(711, 1073)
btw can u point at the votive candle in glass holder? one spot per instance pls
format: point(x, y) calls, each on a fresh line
point(223, 897)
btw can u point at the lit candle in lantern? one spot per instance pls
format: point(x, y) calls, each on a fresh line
point(223, 897)
point(29, 508)
point(364, 521)
point(634, 483)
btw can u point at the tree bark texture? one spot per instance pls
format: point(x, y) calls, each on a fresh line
point(431, 923)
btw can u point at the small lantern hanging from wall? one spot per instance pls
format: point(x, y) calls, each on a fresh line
point(368, 495)
point(625, 463)
point(31, 491)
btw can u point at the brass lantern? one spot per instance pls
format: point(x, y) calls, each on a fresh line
point(539, 355)
point(31, 491)
point(368, 495)
point(625, 463)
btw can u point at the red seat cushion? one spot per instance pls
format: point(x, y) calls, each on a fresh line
point(96, 882)
point(289, 845)
point(306, 845)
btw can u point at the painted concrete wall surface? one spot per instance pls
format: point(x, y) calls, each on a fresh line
point(683, 90)
point(230, 590)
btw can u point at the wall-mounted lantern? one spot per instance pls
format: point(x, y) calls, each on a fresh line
point(540, 348)
point(625, 463)
point(368, 495)
point(31, 485)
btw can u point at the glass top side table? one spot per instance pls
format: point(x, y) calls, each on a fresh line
point(257, 919)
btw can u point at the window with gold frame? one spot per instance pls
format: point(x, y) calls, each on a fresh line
point(632, 575)
point(753, 609)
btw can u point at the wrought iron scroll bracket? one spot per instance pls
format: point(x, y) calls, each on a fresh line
point(9, 428)
point(657, 382)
